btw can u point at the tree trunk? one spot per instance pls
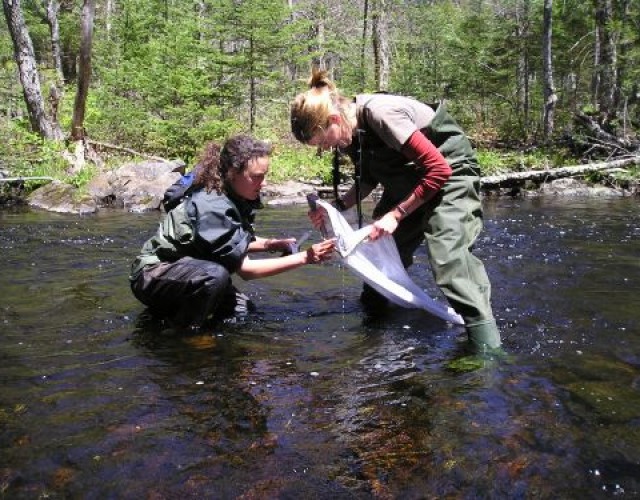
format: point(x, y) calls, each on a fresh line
point(52, 8)
point(595, 76)
point(319, 61)
point(605, 139)
point(381, 45)
point(606, 69)
point(84, 70)
point(252, 86)
point(108, 14)
point(522, 90)
point(27, 67)
point(202, 13)
point(625, 48)
point(550, 97)
point(363, 66)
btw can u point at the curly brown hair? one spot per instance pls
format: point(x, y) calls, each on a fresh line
point(215, 163)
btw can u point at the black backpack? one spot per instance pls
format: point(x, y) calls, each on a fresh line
point(179, 190)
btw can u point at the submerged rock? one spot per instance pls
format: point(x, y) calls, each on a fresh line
point(606, 401)
point(575, 187)
point(600, 388)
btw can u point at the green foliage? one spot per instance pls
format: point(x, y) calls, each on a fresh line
point(161, 96)
point(188, 83)
point(33, 14)
point(625, 176)
point(463, 56)
point(82, 177)
point(170, 76)
point(26, 154)
point(426, 53)
point(494, 162)
point(299, 163)
point(620, 178)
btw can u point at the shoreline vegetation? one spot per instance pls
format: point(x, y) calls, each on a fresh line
point(505, 172)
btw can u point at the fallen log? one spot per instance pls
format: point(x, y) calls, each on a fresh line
point(113, 147)
point(514, 179)
point(597, 132)
point(22, 179)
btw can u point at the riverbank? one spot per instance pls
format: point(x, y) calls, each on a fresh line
point(140, 186)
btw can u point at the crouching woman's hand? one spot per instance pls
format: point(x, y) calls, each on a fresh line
point(319, 252)
point(261, 268)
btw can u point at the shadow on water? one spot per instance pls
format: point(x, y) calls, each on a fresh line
point(310, 398)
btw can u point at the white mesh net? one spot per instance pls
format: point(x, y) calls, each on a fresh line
point(378, 264)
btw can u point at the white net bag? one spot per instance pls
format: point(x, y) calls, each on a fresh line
point(378, 264)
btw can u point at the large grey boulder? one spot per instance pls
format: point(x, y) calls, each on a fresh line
point(287, 193)
point(137, 187)
point(140, 187)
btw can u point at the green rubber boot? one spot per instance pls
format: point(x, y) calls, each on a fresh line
point(484, 336)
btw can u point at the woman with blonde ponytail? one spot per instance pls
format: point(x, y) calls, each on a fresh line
point(430, 178)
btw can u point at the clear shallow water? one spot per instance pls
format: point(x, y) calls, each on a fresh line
point(309, 398)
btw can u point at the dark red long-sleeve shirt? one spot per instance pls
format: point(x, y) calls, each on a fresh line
point(423, 152)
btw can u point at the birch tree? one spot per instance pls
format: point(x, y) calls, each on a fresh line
point(52, 8)
point(28, 70)
point(380, 28)
point(550, 97)
point(523, 69)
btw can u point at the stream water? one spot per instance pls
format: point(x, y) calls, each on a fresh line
point(309, 398)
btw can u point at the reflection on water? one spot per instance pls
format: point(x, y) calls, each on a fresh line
point(309, 398)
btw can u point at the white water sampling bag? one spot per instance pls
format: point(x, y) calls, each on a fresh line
point(378, 264)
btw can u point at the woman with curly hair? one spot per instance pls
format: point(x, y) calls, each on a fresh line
point(430, 176)
point(184, 270)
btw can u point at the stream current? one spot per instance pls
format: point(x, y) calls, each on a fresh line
point(309, 398)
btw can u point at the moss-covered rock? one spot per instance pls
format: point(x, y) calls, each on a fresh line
point(62, 198)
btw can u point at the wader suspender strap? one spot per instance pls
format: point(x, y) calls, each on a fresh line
point(336, 179)
point(358, 171)
point(335, 173)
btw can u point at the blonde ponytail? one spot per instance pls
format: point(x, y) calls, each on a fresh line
point(310, 110)
point(319, 79)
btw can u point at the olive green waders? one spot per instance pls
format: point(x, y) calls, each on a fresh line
point(450, 223)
